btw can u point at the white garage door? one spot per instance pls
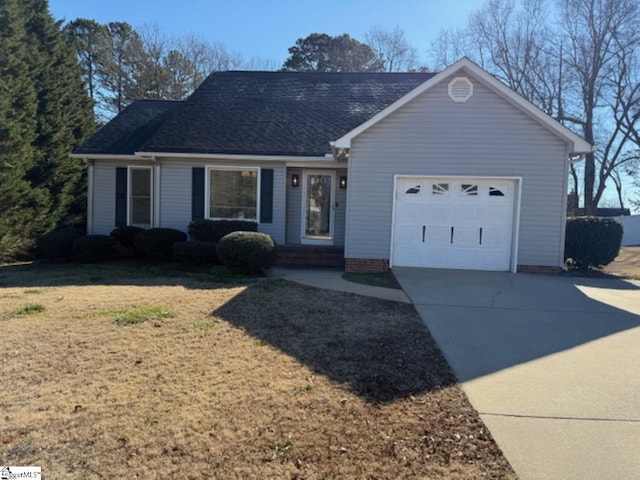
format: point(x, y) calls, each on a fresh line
point(454, 223)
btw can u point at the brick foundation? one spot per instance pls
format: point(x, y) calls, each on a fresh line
point(366, 265)
point(540, 269)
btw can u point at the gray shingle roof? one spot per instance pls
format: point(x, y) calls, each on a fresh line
point(271, 113)
point(128, 131)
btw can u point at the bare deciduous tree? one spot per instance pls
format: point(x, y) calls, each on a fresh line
point(603, 42)
point(205, 57)
point(260, 63)
point(450, 45)
point(392, 47)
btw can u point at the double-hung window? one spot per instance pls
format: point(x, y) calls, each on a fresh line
point(233, 193)
point(140, 197)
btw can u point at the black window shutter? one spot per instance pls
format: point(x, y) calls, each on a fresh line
point(266, 195)
point(121, 196)
point(197, 193)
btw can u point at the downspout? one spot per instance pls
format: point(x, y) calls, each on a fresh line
point(571, 158)
point(89, 164)
point(156, 192)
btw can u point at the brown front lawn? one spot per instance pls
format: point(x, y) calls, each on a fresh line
point(134, 371)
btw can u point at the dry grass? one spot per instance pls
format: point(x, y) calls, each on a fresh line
point(261, 380)
point(626, 264)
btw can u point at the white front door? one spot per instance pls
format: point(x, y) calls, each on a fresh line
point(318, 192)
point(454, 223)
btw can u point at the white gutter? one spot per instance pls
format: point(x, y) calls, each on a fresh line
point(219, 156)
point(104, 156)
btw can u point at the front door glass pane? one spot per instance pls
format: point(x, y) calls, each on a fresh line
point(318, 221)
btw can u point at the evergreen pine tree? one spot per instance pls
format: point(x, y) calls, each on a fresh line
point(64, 118)
point(44, 113)
point(22, 208)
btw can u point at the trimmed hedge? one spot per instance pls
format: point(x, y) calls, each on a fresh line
point(247, 252)
point(592, 241)
point(57, 244)
point(126, 235)
point(93, 248)
point(214, 230)
point(158, 242)
point(196, 252)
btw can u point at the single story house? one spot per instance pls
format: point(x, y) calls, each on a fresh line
point(446, 170)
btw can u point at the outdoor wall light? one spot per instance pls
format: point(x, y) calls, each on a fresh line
point(295, 180)
point(343, 182)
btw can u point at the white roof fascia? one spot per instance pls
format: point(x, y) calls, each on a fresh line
point(579, 144)
point(220, 156)
point(105, 156)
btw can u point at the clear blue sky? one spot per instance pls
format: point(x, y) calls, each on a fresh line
point(267, 28)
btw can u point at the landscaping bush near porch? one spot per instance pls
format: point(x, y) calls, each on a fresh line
point(213, 230)
point(195, 252)
point(57, 245)
point(158, 242)
point(126, 236)
point(247, 252)
point(592, 241)
point(93, 248)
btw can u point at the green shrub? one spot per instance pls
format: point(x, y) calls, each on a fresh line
point(158, 242)
point(126, 235)
point(57, 244)
point(93, 248)
point(214, 230)
point(247, 252)
point(195, 251)
point(592, 241)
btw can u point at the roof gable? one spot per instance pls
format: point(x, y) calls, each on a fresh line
point(578, 145)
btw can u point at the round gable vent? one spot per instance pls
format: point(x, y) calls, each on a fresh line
point(460, 89)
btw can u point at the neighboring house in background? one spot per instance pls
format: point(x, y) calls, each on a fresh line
point(573, 210)
point(446, 170)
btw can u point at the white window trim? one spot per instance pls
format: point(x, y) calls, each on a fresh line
point(151, 195)
point(207, 190)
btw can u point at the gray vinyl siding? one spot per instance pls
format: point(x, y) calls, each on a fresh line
point(340, 210)
point(175, 195)
point(433, 136)
point(295, 206)
point(103, 203)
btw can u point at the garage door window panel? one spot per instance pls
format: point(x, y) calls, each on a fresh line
point(440, 189)
point(469, 190)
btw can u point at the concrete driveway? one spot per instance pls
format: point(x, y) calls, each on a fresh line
point(552, 364)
